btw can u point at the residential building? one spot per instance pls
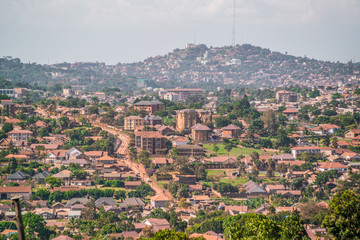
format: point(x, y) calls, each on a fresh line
point(231, 131)
point(133, 122)
point(352, 133)
point(9, 192)
point(327, 166)
point(9, 92)
point(190, 150)
point(285, 96)
point(20, 135)
point(149, 106)
point(297, 151)
point(235, 210)
point(174, 97)
point(185, 93)
point(159, 201)
point(152, 120)
point(7, 107)
point(150, 141)
point(200, 132)
point(157, 223)
point(324, 129)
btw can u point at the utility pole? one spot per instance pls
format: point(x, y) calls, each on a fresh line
point(19, 221)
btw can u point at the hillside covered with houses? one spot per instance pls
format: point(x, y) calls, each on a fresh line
point(184, 162)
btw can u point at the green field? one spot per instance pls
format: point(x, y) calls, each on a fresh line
point(234, 152)
point(235, 181)
point(214, 172)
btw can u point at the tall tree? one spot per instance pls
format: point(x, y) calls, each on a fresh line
point(343, 219)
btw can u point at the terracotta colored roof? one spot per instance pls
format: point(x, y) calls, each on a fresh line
point(357, 131)
point(334, 165)
point(207, 237)
point(231, 127)
point(242, 208)
point(290, 111)
point(134, 117)
point(40, 124)
point(159, 198)
point(343, 143)
point(12, 120)
point(275, 187)
point(306, 148)
point(62, 237)
point(94, 153)
point(149, 134)
point(293, 192)
point(326, 127)
point(18, 189)
point(181, 139)
point(132, 183)
point(220, 159)
point(16, 156)
point(20, 131)
point(106, 158)
point(200, 127)
point(200, 197)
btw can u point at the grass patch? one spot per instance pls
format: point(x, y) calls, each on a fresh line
point(214, 172)
point(235, 181)
point(236, 151)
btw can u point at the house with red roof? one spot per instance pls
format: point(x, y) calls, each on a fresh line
point(9, 192)
point(327, 166)
point(151, 141)
point(231, 131)
point(324, 129)
point(200, 132)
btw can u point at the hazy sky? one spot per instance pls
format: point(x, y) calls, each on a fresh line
point(113, 31)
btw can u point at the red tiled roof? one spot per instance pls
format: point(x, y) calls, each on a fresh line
point(20, 131)
point(231, 127)
point(290, 111)
point(18, 189)
point(333, 165)
point(149, 134)
point(200, 127)
point(160, 198)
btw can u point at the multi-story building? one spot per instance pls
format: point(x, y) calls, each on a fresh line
point(7, 107)
point(9, 92)
point(187, 118)
point(133, 122)
point(151, 141)
point(152, 120)
point(149, 106)
point(200, 132)
point(285, 96)
point(20, 135)
point(185, 93)
point(231, 131)
point(174, 97)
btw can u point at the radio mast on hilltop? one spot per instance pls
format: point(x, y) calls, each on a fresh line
point(233, 32)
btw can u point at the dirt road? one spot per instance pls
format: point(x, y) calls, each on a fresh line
point(137, 168)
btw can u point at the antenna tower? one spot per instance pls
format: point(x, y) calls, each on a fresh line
point(233, 32)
